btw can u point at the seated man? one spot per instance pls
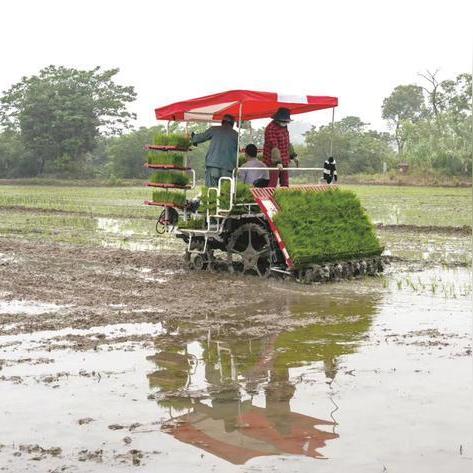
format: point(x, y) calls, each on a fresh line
point(257, 178)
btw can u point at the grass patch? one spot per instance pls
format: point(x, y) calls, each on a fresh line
point(165, 177)
point(167, 158)
point(173, 139)
point(169, 197)
point(324, 226)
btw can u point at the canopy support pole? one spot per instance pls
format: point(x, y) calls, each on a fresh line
point(331, 132)
point(239, 132)
point(238, 146)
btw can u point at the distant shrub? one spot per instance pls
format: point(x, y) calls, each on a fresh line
point(114, 181)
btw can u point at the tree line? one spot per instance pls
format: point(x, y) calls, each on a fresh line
point(70, 123)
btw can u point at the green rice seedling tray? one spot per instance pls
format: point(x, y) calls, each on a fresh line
point(192, 224)
point(165, 148)
point(172, 139)
point(165, 160)
point(321, 227)
point(167, 178)
point(166, 186)
point(168, 198)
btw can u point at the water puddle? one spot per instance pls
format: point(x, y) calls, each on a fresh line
point(28, 340)
point(435, 248)
point(134, 235)
point(365, 377)
point(28, 307)
point(113, 226)
point(7, 259)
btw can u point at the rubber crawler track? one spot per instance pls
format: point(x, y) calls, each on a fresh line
point(315, 273)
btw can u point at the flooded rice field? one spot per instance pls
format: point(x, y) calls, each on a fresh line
point(115, 357)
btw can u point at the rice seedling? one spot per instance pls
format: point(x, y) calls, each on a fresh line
point(243, 196)
point(169, 197)
point(173, 139)
point(241, 160)
point(166, 158)
point(324, 226)
point(192, 224)
point(166, 177)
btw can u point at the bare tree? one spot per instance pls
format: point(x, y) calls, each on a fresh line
point(432, 91)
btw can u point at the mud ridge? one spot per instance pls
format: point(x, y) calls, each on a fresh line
point(465, 230)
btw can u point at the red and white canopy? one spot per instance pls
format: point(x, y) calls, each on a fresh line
point(253, 105)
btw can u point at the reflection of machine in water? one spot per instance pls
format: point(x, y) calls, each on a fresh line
point(228, 422)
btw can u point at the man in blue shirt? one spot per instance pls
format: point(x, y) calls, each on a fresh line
point(222, 154)
point(259, 177)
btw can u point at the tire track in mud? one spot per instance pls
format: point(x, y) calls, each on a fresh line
point(71, 213)
point(106, 286)
point(442, 230)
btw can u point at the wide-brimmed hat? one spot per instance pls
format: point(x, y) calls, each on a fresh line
point(282, 115)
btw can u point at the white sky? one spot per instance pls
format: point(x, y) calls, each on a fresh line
point(171, 50)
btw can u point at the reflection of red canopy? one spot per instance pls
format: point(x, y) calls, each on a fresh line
point(254, 105)
point(258, 437)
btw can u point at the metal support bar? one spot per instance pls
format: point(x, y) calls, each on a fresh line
point(193, 178)
point(277, 169)
point(232, 190)
point(331, 134)
point(209, 190)
point(194, 250)
point(238, 145)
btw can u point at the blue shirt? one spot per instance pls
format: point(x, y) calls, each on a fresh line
point(223, 147)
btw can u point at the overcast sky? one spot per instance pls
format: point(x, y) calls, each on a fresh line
point(171, 50)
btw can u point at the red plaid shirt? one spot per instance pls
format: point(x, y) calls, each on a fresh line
point(276, 136)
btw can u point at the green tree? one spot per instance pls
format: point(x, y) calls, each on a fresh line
point(12, 156)
point(406, 103)
point(356, 149)
point(60, 113)
point(254, 135)
point(456, 96)
point(441, 141)
point(126, 153)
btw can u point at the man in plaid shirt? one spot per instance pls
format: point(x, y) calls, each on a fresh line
point(276, 148)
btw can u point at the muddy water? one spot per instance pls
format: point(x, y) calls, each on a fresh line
point(368, 376)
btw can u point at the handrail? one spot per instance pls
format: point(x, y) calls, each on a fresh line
point(277, 169)
point(232, 190)
point(211, 189)
point(236, 171)
point(193, 178)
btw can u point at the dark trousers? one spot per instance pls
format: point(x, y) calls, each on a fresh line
point(279, 175)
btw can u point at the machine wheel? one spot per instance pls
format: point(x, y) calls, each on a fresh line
point(249, 250)
point(198, 261)
point(167, 218)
